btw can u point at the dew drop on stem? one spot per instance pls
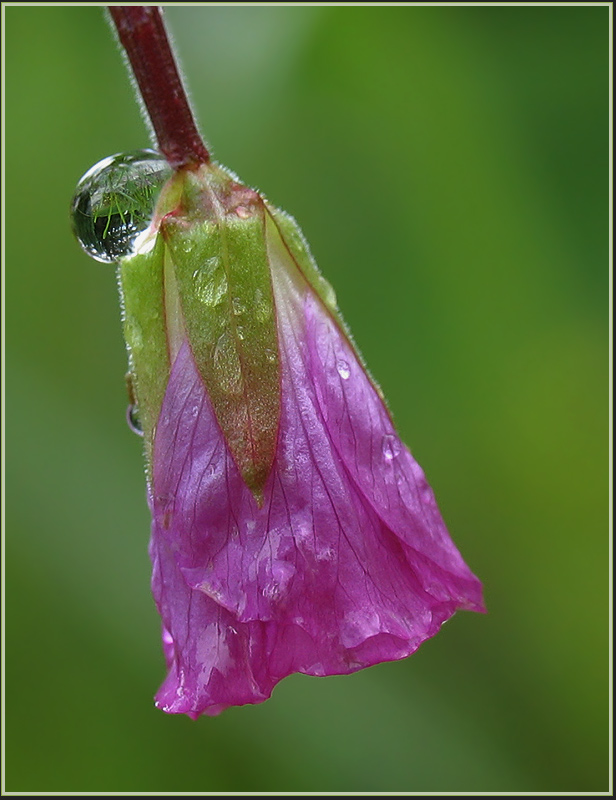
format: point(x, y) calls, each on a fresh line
point(114, 202)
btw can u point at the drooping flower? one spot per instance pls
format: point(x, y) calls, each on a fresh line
point(292, 530)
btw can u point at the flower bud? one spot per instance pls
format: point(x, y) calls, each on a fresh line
point(292, 530)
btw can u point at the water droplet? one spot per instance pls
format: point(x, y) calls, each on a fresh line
point(132, 417)
point(186, 245)
point(238, 306)
point(390, 446)
point(241, 333)
point(114, 202)
point(270, 355)
point(271, 591)
point(211, 286)
point(343, 370)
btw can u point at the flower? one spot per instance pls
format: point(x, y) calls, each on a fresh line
point(292, 530)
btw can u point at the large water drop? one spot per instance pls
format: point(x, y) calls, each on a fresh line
point(114, 202)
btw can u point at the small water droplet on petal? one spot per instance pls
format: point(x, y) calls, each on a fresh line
point(390, 446)
point(271, 590)
point(343, 370)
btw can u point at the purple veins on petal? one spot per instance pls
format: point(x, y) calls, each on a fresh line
point(346, 562)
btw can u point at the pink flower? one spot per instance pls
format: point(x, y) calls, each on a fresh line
point(292, 530)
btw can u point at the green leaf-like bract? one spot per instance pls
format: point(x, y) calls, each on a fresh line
point(207, 280)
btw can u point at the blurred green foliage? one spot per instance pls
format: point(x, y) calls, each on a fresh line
point(449, 166)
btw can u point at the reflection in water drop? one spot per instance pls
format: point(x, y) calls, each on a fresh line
point(114, 202)
point(132, 417)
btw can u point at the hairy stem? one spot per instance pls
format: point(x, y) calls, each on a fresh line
point(143, 36)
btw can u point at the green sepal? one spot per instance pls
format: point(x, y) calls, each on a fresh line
point(141, 285)
point(217, 246)
point(295, 243)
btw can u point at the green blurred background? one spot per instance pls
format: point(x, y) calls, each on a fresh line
point(449, 166)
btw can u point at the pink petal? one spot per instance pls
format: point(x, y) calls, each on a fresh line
point(347, 563)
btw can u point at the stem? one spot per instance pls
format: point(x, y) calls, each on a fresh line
point(144, 38)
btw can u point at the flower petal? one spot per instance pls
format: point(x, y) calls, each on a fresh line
point(347, 562)
point(384, 470)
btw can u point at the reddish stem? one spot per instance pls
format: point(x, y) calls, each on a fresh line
point(144, 38)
